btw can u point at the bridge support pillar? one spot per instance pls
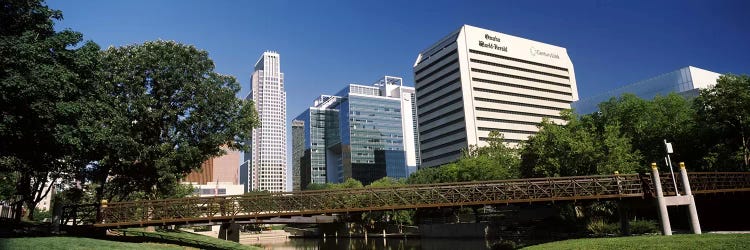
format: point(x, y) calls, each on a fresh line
point(678, 200)
point(624, 218)
point(695, 224)
point(666, 227)
point(229, 231)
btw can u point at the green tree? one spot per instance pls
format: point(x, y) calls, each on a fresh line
point(400, 217)
point(49, 90)
point(724, 114)
point(172, 112)
point(495, 161)
point(647, 123)
point(577, 148)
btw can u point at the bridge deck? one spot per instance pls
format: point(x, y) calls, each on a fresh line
point(260, 206)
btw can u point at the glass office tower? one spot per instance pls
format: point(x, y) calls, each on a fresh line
point(363, 132)
point(686, 81)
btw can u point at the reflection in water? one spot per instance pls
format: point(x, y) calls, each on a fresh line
point(378, 243)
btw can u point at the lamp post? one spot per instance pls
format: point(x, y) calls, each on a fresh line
point(668, 159)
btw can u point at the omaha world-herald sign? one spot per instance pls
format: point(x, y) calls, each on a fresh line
point(492, 44)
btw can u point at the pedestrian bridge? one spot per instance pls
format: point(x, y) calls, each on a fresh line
point(198, 210)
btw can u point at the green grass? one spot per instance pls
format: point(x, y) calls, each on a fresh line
point(683, 241)
point(190, 239)
point(132, 239)
point(76, 243)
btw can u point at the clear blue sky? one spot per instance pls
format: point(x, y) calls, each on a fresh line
point(327, 44)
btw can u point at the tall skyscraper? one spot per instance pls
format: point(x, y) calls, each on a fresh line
point(686, 81)
point(265, 164)
point(474, 81)
point(363, 132)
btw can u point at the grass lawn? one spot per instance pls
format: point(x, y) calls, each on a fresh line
point(64, 242)
point(200, 241)
point(132, 239)
point(683, 241)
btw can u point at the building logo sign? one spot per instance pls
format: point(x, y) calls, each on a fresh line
point(536, 52)
point(492, 45)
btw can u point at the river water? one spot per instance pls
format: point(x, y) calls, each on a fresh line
point(378, 243)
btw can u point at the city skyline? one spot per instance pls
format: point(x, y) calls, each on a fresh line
point(611, 43)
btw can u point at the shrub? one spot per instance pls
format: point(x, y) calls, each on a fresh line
point(643, 227)
point(41, 215)
point(601, 228)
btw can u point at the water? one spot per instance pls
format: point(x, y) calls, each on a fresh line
point(378, 243)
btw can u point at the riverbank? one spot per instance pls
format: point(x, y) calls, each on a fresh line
point(32, 235)
point(683, 241)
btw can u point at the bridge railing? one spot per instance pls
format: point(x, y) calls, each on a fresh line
point(80, 214)
point(701, 182)
point(187, 210)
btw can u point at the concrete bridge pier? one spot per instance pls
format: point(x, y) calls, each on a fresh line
point(678, 200)
point(229, 231)
point(695, 224)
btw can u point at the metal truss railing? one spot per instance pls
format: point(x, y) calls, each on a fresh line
point(259, 206)
point(224, 208)
point(75, 215)
point(701, 182)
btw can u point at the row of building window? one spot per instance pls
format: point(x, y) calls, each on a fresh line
point(424, 101)
point(518, 68)
point(515, 131)
point(443, 145)
point(510, 112)
point(505, 84)
point(451, 155)
point(422, 87)
point(446, 124)
point(492, 91)
point(504, 140)
point(453, 52)
point(506, 121)
point(446, 114)
point(517, 60)
point(518, 104)
point(446, 134)
point(520, 77)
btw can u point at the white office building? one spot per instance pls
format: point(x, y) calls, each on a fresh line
point(686, 81)
point(265, 164)
point(474, 81)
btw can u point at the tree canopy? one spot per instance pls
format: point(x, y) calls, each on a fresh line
point(133, 119)
point(48, 90)
point(723, 113)
point(172, 112)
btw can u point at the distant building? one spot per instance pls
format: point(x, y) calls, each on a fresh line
point(224, 168)
point(217, 176)
point(686, 81)
point(362, 132)
point(266, 164)
point(298, 150)
point(474, 81)
point(217, 189)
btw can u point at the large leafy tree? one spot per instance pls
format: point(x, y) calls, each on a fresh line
point(495, 161)
point(577, 147)
point(647, 123)
point(172, 112)
point(48, 93)
point(723, 112)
